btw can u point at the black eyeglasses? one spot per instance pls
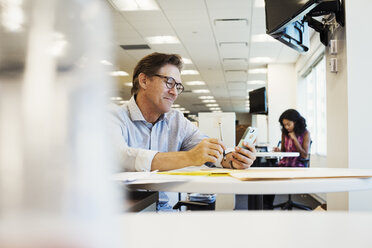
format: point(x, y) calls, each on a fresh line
point(171, 82)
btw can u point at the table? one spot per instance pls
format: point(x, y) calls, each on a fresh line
point(229, 185)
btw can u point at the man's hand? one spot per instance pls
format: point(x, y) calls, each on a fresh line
point(242, 158)
point(208, 150)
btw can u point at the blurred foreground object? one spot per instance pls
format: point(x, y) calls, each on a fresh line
point(54, 158)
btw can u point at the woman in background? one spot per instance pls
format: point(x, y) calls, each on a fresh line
point(295, 138)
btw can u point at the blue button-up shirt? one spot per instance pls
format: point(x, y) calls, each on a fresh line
point(137, 141)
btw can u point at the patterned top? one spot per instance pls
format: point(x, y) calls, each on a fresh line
point(289, 146)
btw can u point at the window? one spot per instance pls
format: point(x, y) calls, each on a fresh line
point(315, 106)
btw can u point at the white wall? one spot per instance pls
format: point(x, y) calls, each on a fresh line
point(359, 93)
point(337, 119)
point(281, 91)
point(348, 104)
point(209, 125)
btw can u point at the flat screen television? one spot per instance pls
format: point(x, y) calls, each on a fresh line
point(258, 101)
point(285, 21)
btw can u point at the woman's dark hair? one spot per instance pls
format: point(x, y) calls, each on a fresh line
point(299, 121)
point(151, 64)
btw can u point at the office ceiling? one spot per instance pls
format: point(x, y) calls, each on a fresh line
point(224, 40)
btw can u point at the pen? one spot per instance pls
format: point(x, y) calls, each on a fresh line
point(220, 127)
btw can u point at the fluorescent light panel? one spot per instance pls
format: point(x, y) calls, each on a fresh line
point(214, 109)
point(134, 5)
point(200, 91)
point(256, 82)
point(209, 101)
point(118, 73)
point(193, 83)
point(165, 39)
point(187, 61)
point(212, 105)
point(206, 97)
point(189, 72)
point(258, 60)
point(258, 71)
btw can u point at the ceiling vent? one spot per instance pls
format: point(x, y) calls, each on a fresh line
point(231, 21)
point(135, 47)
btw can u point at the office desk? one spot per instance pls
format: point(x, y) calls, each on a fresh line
point(247, 229)
point(229, 185)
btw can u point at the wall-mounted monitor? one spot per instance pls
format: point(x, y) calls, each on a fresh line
point(289, 20)
point(285, 22)
point(258, 101)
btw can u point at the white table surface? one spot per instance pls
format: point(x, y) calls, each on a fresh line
point(277, 154)
point(229, 185)
point(247, 229)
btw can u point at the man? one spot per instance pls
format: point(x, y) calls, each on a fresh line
point(152, 136)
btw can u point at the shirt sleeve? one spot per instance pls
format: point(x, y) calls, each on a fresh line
point(130, 159)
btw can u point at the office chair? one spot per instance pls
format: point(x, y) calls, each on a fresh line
point(289, 204)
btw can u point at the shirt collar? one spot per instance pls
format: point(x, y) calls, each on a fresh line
point(136, 114)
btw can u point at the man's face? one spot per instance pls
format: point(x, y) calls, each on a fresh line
point(158, 94)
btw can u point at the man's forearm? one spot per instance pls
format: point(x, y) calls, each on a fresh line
point(164, 161)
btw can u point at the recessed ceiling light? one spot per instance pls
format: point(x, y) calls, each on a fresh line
point(134, 5)
point(200, 91)
point(258, 60)
point(206, 97)
point(105, 62)
point(256, 82)
point(165, 39)
point(212, 105)
point(118, 73)
point(189, 72)
point(186, 111)
point(123, 102)
point(216, 111)
point(262, 38)
point(191, 83)
point(257, 71)
point(176, 105)
point(209, 101)
point(187, 61)
point(130, 84)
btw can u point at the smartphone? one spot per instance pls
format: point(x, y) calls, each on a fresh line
point(249, 136)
